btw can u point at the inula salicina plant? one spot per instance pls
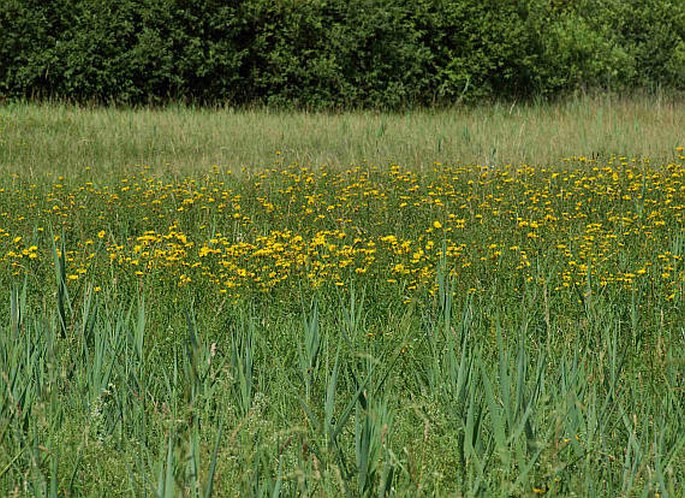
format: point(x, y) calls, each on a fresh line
point(367, 331)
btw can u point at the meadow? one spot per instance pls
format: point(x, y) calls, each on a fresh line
point(474, 302)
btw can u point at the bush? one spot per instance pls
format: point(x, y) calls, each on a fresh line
point(336, 53)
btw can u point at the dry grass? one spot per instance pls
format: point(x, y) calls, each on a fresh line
point(62, 138)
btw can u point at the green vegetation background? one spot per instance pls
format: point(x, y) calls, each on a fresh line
point(329, 54)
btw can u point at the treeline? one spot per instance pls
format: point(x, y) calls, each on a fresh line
point(336, 53)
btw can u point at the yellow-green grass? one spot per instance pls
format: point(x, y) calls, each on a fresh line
point(394, 327)
point(64, 138)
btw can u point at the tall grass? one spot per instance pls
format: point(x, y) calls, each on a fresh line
point(502, 368)
point(440, 405)
point(57, 137)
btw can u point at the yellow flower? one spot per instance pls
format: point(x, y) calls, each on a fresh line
point(390, 239)
point(437, 225)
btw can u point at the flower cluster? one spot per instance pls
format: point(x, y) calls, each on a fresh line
point(613, 225)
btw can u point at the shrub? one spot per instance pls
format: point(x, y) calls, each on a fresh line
point(335, 53)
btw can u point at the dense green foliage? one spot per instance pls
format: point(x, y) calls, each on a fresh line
point(336, 53)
